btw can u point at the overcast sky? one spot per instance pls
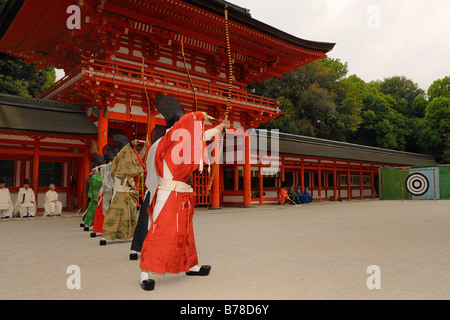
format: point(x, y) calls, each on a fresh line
point(378, 38)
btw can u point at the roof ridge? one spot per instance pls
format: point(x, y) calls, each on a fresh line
point(347, 145)
point(41, 104)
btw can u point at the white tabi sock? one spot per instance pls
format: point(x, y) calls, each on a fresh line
point(144, 276)
point(195, 268)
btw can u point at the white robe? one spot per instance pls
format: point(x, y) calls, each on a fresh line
point(6, 205)
point(26, 202)
point(107, 186)
point(52, 205)
point(152, 180)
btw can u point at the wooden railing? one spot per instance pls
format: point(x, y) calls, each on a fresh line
point(130, 74)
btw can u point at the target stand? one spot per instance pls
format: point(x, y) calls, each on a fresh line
point(420, 183)
point(417, 184)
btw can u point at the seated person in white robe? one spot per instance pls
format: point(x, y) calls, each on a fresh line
point(26, 201)
point(51, 205)
point(6, 205)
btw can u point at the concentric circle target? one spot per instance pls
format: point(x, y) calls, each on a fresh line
point(417, 184)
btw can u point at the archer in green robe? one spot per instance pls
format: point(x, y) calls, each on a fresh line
point(121, 216)
point(96, 184)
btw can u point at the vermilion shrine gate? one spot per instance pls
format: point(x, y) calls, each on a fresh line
point(127, 52)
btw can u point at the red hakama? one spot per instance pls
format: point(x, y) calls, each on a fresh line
point(99, 216)
point(170, 245)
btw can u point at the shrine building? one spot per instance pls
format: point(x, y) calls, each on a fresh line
point(122, 54)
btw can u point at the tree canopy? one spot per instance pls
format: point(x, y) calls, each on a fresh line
point(21, 79)
point(322, 100)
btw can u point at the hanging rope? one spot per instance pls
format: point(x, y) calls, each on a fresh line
point(141, 178)
point(230, 87)
point(148, 100)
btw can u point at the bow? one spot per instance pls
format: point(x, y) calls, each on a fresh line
point(148, 107)
point(188, 74)
point(148, 124)
point(148, 100)
point(230, 87)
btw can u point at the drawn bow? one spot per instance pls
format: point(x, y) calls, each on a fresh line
point(230, 66)
point(230, 87)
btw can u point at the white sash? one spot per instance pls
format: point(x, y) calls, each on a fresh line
point(171, 185)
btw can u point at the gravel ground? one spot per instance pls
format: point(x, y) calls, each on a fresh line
point(316, 251)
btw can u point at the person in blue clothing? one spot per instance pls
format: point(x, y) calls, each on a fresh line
point(307, 196)
point(299, 194)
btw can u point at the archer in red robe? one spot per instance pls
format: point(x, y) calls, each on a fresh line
point(170, 245)
point(282, 195)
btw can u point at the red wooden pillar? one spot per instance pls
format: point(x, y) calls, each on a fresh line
point(302, 177)
point(236, 177)
point(334, 183)
point(372, 182)
point(222, 184)
point(102, 136)
point(261, 191)
point(247, 173)
point(35, 172)
point(361, 187)
point(79, 167)
point(215, 188)
point(69, 194)
point(69, 173)
point(339, 185)
point(349, 189)
point(319, 181)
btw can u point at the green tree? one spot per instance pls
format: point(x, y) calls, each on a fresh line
point(439, 88)
point(18, 78)
point(385, 135)
point(324, 103)
point(418, 107)
point(435, 129)
point(288, 122)
point(349, 102)
point(307, 102)
point(336, 66)
point(317, 105)
point(320, 100)
point(403, 90)
point(381, 125)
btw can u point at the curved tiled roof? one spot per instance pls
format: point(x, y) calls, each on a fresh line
point(47, 116)
point(322, 148)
